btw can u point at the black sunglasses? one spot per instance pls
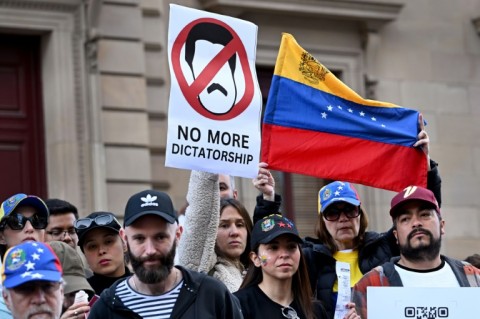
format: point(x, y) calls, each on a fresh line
point(100, 220)
point(333, 213)
point(18, 221)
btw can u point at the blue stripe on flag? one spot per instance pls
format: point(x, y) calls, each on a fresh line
point(300, 106)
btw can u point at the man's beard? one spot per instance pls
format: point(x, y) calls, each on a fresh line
point(424, 252)
point(153, 275)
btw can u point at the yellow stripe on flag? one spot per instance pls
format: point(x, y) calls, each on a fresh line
point(296, 64)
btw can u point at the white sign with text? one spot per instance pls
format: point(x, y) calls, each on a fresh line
point(215, 101)
point(422, 303)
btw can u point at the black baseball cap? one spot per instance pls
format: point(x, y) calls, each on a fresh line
point(95, 220)
point(267, 229)
point(149, 202)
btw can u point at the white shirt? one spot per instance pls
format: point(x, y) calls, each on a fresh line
point(438, 277)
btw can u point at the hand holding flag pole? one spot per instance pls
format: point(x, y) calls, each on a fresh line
point(423, 139)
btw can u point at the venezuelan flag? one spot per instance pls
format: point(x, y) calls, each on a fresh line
point(316, 125)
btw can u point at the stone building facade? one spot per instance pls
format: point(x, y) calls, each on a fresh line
point(105, 85)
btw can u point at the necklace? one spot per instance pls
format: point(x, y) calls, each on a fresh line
point(289, 313)
point(173, 286)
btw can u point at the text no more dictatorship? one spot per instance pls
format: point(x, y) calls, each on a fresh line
point(210, 153)
point(213, 137)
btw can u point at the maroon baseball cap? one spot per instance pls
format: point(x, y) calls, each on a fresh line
point(413, 193)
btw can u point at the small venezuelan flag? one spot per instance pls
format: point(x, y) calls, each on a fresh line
point(315, 125)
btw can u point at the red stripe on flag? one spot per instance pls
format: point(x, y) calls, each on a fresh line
point(338, 157)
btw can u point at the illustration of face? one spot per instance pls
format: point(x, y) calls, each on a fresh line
point(205, 41)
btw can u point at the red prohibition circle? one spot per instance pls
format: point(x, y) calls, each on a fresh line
point(191, 92)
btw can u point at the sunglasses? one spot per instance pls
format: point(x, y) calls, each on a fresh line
point(333, 213)
point(100, 220)
point(18, 221)
point(61, 233)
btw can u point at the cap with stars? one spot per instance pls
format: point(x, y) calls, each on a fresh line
point(30, 261)
point(337, 192)
point(270, 227)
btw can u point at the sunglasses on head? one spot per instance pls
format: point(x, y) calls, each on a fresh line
point(100, 220)
point(333, 213)
point(18, 221)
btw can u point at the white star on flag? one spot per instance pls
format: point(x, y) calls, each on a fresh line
point(339, 107)
point(34, 244)
point(40, 250)
point(350, 111)
point(373, 118)
point(30, 265)
point(37, 275)
point(362, 114)
point(330, 108)
point(324, 115)
point(35, 256)
point(337, 193)
point(25, 274)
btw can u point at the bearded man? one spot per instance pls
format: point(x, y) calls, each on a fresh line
point(418, 227)
point(158, 289)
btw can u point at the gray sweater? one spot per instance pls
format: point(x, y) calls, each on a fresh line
point(196, 249)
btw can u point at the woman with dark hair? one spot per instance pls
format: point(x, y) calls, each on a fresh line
point(99, 239)
point(217, 232)
point(233, 212)
point(342, 238)
point(277, 283)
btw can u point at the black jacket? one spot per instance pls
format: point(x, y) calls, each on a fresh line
point(100, 282)
point(200, 297)
point(376, 250)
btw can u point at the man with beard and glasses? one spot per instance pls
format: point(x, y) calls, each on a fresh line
point(158, 289)
point(418, 227)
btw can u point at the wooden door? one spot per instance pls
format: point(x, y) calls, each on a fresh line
point(22, 151)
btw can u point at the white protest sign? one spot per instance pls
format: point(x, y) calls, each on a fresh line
point(422, 303)
point(215, 101)
point(344, 295)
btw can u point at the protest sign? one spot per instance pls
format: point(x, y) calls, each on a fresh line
point(215, 101)
point(421, 303)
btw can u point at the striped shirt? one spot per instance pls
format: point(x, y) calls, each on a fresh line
point(147, 306)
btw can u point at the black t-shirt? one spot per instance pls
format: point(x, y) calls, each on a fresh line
point(100, 282)
point(256, 305)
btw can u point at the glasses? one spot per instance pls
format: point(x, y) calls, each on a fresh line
point(333, 213)
point(47, 287)
point(61, 233)
point(18, 221)
point(100, 220)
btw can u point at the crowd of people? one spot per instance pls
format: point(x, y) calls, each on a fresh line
point(217, 261)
